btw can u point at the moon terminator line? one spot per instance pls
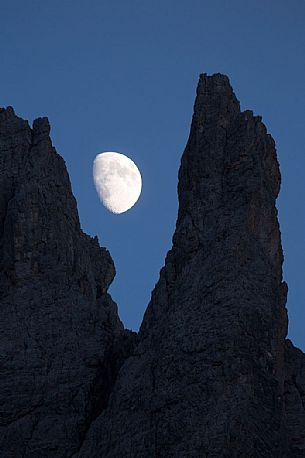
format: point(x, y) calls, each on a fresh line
point(117, 181)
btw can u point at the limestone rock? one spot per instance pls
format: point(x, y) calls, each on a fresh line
point(207, 377)
point(210, 373)
point(59, 327)
point(295, 400)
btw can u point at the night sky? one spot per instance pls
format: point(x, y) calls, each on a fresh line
point(121, 76)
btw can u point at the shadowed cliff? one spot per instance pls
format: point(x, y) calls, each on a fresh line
point(210, 373)
point(208, 376)
point(60, 332)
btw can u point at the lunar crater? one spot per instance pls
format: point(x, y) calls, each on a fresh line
point(117, 180)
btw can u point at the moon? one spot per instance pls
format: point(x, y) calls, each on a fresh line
point(117, 181)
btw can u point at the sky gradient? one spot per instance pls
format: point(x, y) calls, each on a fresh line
point(122, 75)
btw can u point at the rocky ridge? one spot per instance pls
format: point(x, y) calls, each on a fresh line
point(210, 373)
point(60, 331)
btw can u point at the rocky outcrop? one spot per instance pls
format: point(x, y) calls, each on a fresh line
point(59, 327)
point(210, 373)
point(295, 400)
point(207, 378)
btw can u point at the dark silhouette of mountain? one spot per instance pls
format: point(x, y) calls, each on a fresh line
point(210, 373)
point(60, 332)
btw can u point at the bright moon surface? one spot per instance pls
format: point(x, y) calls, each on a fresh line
point(117, 180)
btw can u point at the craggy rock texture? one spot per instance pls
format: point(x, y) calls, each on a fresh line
point(207, 378)
point(210, 374)
point(59, 327)
point(295, 399)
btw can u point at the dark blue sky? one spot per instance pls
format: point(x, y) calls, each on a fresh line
point(121, 76)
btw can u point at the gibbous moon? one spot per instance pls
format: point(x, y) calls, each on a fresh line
point(117, 180)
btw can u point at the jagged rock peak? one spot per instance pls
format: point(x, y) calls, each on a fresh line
point(61, 338)
point(208, 373)
point(215, 97)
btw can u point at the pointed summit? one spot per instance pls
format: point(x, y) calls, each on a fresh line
point(215, 98)
point(208, 373)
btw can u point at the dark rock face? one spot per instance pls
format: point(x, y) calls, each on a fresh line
point(295, 400)
point(210, 374)
point(59, 327)
point(207, 378)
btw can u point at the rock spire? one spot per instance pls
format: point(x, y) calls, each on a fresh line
point(210, 373)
